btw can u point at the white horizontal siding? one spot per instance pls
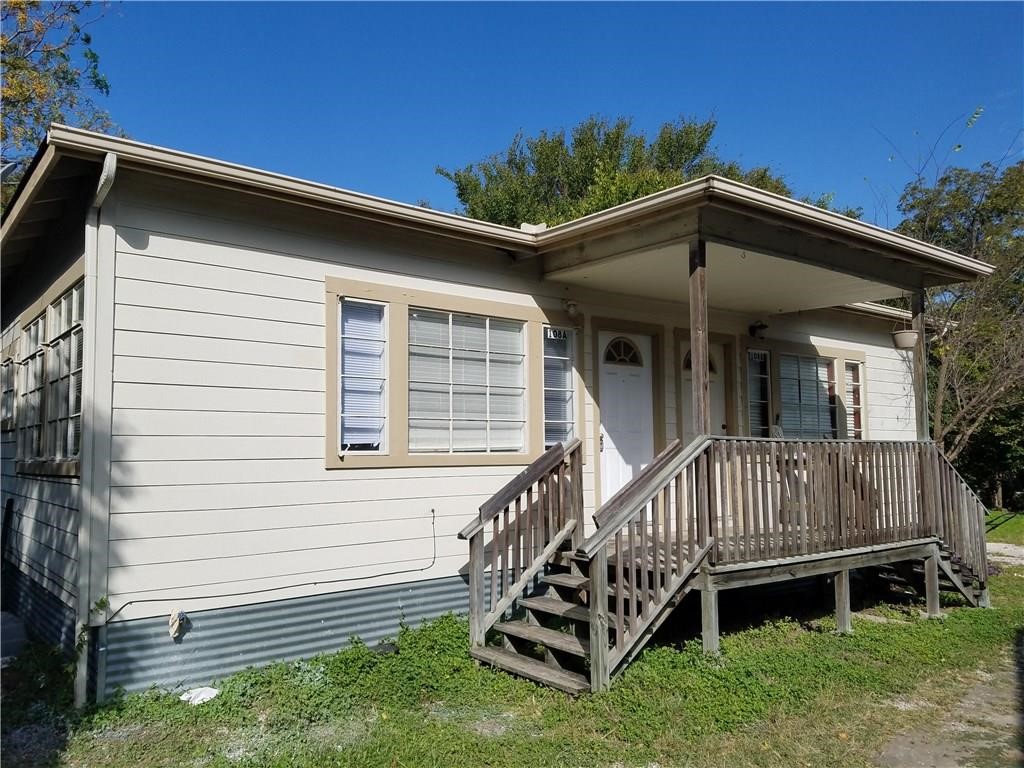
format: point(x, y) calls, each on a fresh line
point(199, 424)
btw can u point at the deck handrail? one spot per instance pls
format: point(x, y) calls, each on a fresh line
point(515, 487)
point(618, 510)
point(519, 529)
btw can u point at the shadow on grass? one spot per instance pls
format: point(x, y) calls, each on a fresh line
point(998, 519)
point(37, 715)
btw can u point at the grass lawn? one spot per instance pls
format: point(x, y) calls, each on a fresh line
point(1006, 527)
point(783, 693)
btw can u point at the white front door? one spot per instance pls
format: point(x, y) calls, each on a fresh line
point(626, 400)
point(716, 374)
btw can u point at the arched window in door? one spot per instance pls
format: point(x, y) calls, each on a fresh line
point(622, 351)
point(688, 364)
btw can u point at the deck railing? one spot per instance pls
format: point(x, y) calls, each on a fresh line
point(652, 535)
point(519, 529)
point(772, 498)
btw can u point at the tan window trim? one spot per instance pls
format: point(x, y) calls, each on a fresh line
point(398, 301)
point(839, 355)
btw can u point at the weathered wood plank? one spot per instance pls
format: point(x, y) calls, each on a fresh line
point(843, 623)
point(598, 572)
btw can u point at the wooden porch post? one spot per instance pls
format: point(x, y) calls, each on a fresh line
point(843, 623)
point(931, 584)
point(699, 335)
point(920, 369)
point(709, 617)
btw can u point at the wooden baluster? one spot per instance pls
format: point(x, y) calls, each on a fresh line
point(505, 547)
point(494, 562)
point(774, 502)
point(598, 573)
point(757, 508)
point(531, 524)
point(785, 500)
point(634, 597)
point(724, 511)
point(706, 497)
point(620, 599)
point(655, 546)
point(517, 543)
point(642, 560)
point(688, 508)
point(666, 503)
point(801, 471)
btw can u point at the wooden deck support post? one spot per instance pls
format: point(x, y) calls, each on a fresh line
point(476, 590)
point(709, 618)
point(698, 295)
point(600, 678)
point(931, 584)
point(920, 368)
point(843, 623)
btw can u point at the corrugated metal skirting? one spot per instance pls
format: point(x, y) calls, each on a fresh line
point(140, 653)
point(46, 617)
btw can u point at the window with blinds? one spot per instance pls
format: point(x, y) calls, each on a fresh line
point(807, 394)
point(362, 400)
point(854, 402)
point(559, 410)
point(50, 402)
point(759, 392)
point(466, 383)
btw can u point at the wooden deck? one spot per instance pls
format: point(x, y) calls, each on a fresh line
point(718, 514)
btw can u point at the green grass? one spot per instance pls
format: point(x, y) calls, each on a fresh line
point(1006, 527)
point(782, 693)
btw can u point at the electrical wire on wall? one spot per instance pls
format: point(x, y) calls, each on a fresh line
point(428, 566)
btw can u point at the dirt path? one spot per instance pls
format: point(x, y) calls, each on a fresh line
point(1005, 554)
point(984, 729)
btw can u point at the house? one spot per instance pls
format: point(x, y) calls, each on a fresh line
point(245, 415)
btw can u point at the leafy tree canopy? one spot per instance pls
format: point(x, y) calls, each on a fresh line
point(977, 358)
point(50, 75)
point(556, 177)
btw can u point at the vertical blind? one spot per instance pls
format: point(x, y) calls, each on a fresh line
point(559, 413)
point(807, 392)
point(466, 383)
point(363, 376)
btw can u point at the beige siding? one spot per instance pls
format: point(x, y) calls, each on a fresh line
point(218, 481)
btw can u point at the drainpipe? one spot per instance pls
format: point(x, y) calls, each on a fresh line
point(89, 500)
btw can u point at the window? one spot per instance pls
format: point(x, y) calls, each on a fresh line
point(50, 407)
point(7, 390)
point(808, 396)
point(466, 383)
point(30, 409)
point(622, 351)
point(854, 402)
point(759, 392)
point(361, 394)
point(559, 411)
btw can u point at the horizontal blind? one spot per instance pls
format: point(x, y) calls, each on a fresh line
point(361, 406)
point(466, 383)
point(559, 406)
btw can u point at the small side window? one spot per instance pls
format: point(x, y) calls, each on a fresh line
point(362, 391)
point(559, 392)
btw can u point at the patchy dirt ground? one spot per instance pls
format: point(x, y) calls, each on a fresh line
point(984, 729)
point(1005, 554)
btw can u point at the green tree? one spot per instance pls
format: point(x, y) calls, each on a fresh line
point(977, 354)
point(556, 177)
point(50, 75)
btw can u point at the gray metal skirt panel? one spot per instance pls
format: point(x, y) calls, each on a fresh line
point(46, 617)
point(139, 654)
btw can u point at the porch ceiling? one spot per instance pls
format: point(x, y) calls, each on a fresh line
point(738, 279)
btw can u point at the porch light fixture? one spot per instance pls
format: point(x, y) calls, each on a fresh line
point(756, 330)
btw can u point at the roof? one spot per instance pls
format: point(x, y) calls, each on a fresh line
point(65, 146)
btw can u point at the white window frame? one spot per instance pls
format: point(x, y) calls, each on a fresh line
point(767, 376)
point(852, 411)
point(571, 389)
point(385, 416)
point(9, 370)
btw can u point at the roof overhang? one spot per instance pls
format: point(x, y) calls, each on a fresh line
point(734, 216)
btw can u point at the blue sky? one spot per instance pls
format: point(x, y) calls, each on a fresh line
point(372, 97)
